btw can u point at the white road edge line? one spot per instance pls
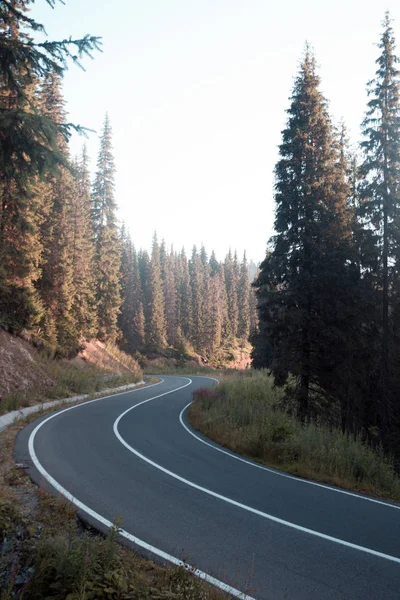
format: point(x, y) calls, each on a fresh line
point(57, 486)
point(279, 473)
point(239, 504)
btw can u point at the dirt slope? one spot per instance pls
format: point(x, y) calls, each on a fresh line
point(20, 367)
point(23, 367)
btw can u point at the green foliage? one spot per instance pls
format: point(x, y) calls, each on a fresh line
point(156, 330)
point(84, 308)
point(231, 281)
point(246, 413)
point(131, 318)
point(33, 137)
point(379, 213)
point(307, 283)
point(29, 139)
point(244, 301)
point(107, 257)
point(183, 305)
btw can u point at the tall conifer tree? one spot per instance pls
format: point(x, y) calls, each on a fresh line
point(185, 298)
point(302, 285)
point(196, 268)
point(231, 282)
point(380, 204)
point(83, 250)
point(156, 330)
point(107, 256)
point(244, 301)
point(29, 149)
point(57, 280)
point(170, 298)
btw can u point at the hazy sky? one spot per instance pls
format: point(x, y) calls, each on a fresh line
point(197, 91)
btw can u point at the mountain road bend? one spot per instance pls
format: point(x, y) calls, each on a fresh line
point(260, 533)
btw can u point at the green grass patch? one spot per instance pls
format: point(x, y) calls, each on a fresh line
point(245, 414)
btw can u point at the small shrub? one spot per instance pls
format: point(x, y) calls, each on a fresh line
point(206, 397)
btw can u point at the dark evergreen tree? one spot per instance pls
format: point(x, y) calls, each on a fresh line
point(303, 285)
point(29, 149)
point(170, 299)
point(144, 270)
point(196, 269)
point(156, 330)
point(215, 267)
point(139, 324)
point(380, 210)
point(29, 144)
point(107, 256)
point(125, 317)
point(56, 284)
point(185, 298)
point(231, 281)
point(84, 306)
point(213, 318)
point(244, 301)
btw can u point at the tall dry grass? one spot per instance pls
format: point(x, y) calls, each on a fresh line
point(70, 380)
point(245, 414)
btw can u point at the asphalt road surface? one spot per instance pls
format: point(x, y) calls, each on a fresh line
point(267, 535)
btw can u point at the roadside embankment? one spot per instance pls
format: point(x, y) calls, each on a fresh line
point(29, 377)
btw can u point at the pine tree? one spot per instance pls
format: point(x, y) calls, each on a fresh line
point(57, 279)
point(215, 267)
point(131, 319)
point(125, 317)
point(380, 202)
point(29, 149)
point(303, 281)
point(139, 324)
point(170, 298)
point(226, 334)
point(253, 312)
point(29, 140)
point(244, 301)
point(231, 282)
point(84, 306)
point(196, 269)
point(107, 257)
point(185, 299)
point(156, 329)
point(144, 271)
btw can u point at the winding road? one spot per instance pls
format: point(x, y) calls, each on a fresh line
point(253, 531)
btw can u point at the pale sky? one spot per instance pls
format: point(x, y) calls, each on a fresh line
point(197, 91)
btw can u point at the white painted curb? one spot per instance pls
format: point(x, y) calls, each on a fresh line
point(17, 415)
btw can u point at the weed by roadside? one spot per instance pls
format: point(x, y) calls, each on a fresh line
point(245, 414)
point(69, 381)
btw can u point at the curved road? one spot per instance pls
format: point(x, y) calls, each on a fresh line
point(179, 496)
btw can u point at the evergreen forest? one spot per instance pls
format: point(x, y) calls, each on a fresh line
point(328, 289)
point(323, 314)
point(69, 270)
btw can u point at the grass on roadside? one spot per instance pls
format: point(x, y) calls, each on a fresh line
point(165, 369)
point(70, 380)
point(244, 413)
